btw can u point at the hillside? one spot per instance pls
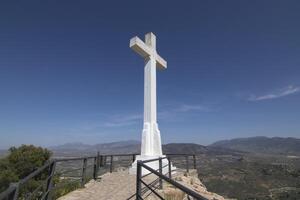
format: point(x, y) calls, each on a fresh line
point(132, 146)
point(265, 145)
point(80, 149)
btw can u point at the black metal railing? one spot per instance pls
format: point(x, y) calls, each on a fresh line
point(59, 172)
point(56, 173)
point(140, 191)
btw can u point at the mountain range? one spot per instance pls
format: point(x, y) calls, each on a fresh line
point(77, 148)
point(263, 145)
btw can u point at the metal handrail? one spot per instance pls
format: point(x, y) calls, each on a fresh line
point(36, 172)
point(12, 192)
point(154, 159)
point(152, 189)
point(141, 164)
point(72, 159)
point(99, 161)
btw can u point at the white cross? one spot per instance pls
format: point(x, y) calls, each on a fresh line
point(151, 140)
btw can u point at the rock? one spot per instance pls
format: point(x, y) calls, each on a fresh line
point(191, 181)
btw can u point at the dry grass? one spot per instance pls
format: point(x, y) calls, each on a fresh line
point(192, 181)
point(178, 179)
point(173, 194)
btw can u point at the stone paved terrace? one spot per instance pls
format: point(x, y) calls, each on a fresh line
point(110, 186)
point(120, 185)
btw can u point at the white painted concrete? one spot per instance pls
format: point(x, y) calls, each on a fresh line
point(151, 139)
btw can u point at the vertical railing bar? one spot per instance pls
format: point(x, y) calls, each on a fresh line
point(50, 181)
point(98, 160)
point(15, 194)
point(187, 163)
point(138, 180)
point(104, 162)
point(111, 164)
point(101, 161)
point(160, 171)
point(169, 165)
point(95, 167)
point(194, 159)
point(83, 172)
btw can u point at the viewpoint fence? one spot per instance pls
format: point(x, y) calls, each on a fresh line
point(158, 183)
point(58, 177)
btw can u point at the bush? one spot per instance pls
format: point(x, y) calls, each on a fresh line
point(20, 162)
point(27, 159)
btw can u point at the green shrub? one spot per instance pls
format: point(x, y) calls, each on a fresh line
point(19, 163)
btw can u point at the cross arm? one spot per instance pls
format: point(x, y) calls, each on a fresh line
point(160, 62)
point(145, 51)
point(140, 47)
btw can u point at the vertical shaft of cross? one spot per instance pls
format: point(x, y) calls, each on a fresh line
point(150, 110)
point(150, 114)
point(150, 81)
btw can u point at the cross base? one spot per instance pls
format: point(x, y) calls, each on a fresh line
point(151, 140)
point(154, 165)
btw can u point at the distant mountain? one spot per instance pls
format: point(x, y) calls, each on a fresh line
point(181, 148)
point(73, 146)
point(76, 149)
point(265, 145)
point(122, 147)
point(132, 146)
point(191, 148)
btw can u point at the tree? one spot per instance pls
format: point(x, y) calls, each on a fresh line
point(27, 158)
point(7, 174)
point(20, 163)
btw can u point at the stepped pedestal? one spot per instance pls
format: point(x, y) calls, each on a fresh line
point(154, 165)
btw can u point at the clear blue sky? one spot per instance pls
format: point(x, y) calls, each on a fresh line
point(67, 73)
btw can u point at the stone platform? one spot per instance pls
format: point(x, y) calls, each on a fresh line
point(110, 186)
point(121, 185)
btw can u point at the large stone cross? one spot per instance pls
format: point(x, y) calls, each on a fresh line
point(151, 140)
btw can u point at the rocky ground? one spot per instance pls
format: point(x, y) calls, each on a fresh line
point(191, 181)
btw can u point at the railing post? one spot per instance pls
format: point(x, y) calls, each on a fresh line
point(101, 161)
point(111, 164)
point(104, 161)
point(98, 160)
point(194, 159)
point(138, 180)
point(169, 165)
point(133, 157)
point(83, 172)
point(187, 163)
point(95, 168)
point(15, 194)
point(160, 171)
point(50, 180)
